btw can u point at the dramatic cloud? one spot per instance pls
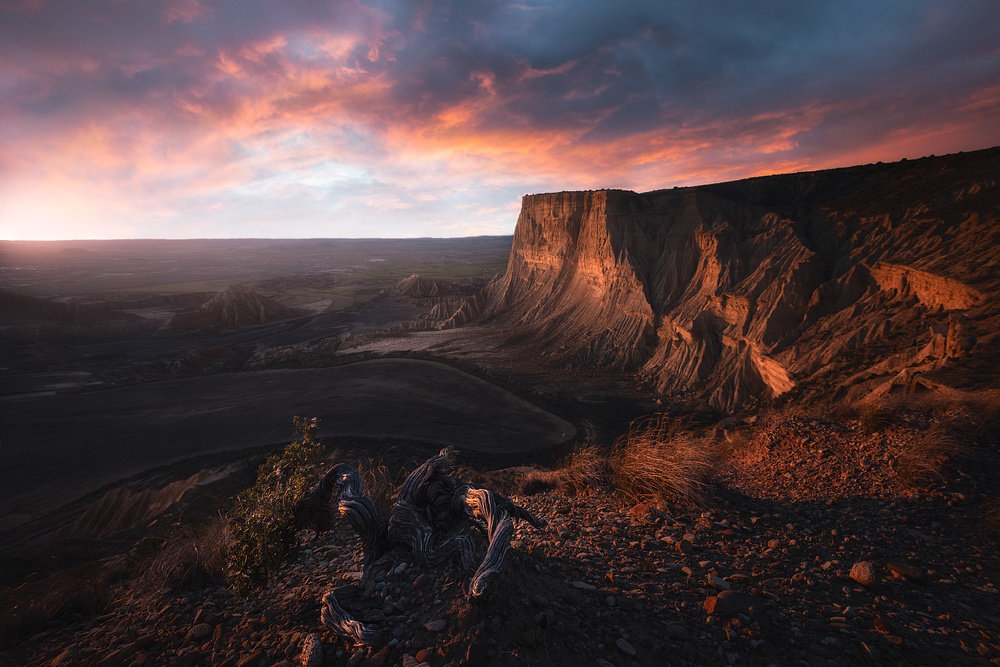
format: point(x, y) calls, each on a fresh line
point(192, 118)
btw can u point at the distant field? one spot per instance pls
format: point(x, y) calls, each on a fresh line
point(189, 287)
point(79, 268)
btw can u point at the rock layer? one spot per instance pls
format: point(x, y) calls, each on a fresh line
point(839, 280)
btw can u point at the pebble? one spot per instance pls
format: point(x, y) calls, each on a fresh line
point(436, 625)
point(584, 586)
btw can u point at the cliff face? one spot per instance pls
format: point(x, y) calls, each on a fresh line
point(852, 280)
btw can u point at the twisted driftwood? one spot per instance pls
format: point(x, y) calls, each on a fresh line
point(435, 519)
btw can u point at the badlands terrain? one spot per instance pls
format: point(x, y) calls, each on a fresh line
point(820, 349)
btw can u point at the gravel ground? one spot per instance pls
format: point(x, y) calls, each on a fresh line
point(799, 558)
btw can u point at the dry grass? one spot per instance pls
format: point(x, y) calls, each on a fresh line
point(659, 459)
point(926, 460)
point(28, 608)
point(188, 558)
point(378, 484)
point(585, 470)
point(876, 415)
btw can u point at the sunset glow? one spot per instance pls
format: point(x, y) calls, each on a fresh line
point(190, 118)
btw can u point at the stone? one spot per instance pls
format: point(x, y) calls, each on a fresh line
point(436, 625)
point(677, 632)
point(908, 572)
point(476, 653)
point(64, 657)
point(198, 632)
point(686, 547)
point(584, 586)
point(717, 583)
point(640, 512)
point(729, 603)
point(863, 572)
point(625, 647)
point(378, 659)
point(253, 660)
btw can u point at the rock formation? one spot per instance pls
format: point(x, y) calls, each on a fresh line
point(237, 305)
point(849, 280)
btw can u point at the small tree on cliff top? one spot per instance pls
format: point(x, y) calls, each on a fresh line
point(261, 526)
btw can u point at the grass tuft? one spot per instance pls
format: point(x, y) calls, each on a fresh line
point(876, 416)
point(586, 470)
point(659, 459)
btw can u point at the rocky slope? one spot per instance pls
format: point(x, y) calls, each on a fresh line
point(779, 568)
point(852, 282)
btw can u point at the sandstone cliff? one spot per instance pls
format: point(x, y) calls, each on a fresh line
point(851, 281)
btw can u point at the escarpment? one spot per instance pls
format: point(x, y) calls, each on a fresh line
point(850, 281)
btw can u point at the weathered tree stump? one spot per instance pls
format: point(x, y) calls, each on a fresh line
point(435, 519)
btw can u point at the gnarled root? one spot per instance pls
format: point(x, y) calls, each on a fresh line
point(433, 520)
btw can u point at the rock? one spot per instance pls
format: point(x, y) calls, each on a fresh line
point(64, 657)
point(640, 512)
point(584, 586)
point(203, 616)
point(253, 660)
point(378, 659)
point(312, 652)
point(193, 658)
point(436, 625)
point(729, 603)
point(424, 654)
point(717, 583)
point(528, 637)
point(677, 632)
point(625, 647)
point(908, 572)
point(198, 632)
point(476, 653)
point(863, 572)
point(686, 547)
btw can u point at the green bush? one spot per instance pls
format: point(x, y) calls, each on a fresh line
point(261, 531)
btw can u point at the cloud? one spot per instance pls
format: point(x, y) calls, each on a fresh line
point(251, 118)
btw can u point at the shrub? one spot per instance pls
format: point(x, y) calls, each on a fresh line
point(659, 460)
point(260, 524)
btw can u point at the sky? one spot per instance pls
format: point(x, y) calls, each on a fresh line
point(395, 118)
